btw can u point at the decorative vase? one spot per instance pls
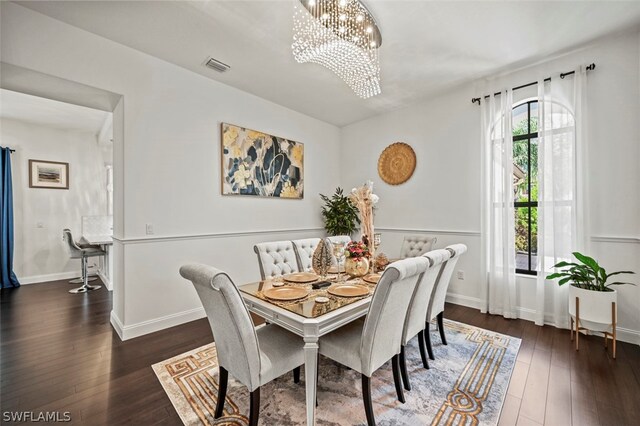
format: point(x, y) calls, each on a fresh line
point(356, 267)
point(321, 259)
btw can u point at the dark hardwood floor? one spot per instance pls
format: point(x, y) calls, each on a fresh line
point(58, 352)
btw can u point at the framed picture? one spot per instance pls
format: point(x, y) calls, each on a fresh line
point(259, 164)
point(48, 174)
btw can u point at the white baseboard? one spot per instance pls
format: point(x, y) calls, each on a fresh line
point(623, 334)
point(34, 279)
point(117, 324)
point(469, 302)
point(127, 332)
point(107, 282)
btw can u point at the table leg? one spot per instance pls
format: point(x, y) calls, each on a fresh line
point(310, 376)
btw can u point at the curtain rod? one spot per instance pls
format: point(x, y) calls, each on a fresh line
point(562, 75)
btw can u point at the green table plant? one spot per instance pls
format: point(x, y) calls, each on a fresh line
point(339, 214)
point(587, 274)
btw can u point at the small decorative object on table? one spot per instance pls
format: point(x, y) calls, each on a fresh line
point(592, 303)
point(321, 260)
point(357, 259)
point(381, 261)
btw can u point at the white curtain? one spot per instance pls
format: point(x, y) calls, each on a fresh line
point(498, 221)
point(562, 206)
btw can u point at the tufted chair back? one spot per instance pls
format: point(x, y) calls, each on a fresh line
point(382, 333)
point(233, 331)
point(419, 304)
point(276, 258)
point(74, 251)
point(416, 245)
point(440, 289)
point(304, 252)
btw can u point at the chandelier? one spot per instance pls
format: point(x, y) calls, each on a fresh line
point(341, 35)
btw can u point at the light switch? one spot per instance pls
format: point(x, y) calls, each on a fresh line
point(149, 229)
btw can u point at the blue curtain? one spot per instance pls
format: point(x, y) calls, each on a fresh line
point(7, 277)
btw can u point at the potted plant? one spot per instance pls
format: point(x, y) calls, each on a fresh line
point(592, 301)
point(357, 259)
point(339, 214)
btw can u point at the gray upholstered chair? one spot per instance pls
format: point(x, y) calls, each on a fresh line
point(414, 323)
point(416, 245)
point(365, 345)
point(276, 258)
point(436, 306)
point(344, 239)
point(253, 356)
point(82, 253)
point(304, 252)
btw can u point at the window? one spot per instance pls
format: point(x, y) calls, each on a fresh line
point(525, 185)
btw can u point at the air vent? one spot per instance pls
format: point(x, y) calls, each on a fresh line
point(216, 65)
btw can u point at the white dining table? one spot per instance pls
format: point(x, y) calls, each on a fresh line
point(310, 329)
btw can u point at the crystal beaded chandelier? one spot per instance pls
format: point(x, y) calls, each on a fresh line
point(341, 35)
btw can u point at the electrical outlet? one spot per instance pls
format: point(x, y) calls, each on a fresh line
point(460, 275)
point(149, 229)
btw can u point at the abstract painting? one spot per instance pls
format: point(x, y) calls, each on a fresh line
point(255, 163)
point(48, 174)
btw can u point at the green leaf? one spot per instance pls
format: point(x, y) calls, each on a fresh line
point(620, 272)
point(589, 261)
point(564, 281)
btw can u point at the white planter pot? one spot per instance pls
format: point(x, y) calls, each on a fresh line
point(596, 312)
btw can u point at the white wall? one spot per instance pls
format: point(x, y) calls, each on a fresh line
point(41, 214)
point(168, 167)
point(443, 194)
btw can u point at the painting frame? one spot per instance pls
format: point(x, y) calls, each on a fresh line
point(244, 156)
point(48, 174)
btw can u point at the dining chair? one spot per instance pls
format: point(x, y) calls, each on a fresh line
point(365, 345)
point(253, 356)
point(418, 306)
point(436, 306)
point(304, 250)
point(276, 258)
point(416, 245)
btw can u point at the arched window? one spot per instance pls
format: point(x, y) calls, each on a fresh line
point(559, 123)
point(525, 184)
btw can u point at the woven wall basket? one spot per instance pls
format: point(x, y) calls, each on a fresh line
point(397, 163)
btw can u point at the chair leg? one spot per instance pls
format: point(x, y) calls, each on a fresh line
point(223, 378)
point(366, 397)
point(395, 363)
point(296, 375)
point(254, 410)
point(441, 328)
point(423, 350)
point(403, 370)
point(85, 280)
point(427, 338)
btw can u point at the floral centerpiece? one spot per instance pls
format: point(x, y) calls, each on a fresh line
point(364, 199)
point(357, 256)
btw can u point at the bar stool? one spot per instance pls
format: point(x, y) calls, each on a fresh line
point(80, 280)
point(77, 252)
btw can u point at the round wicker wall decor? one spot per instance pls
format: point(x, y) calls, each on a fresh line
point(397, 163)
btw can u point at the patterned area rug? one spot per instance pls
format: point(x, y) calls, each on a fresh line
point(466, 385)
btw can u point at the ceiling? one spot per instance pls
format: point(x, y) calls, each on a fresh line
point(50, 113)
point(428, 46)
